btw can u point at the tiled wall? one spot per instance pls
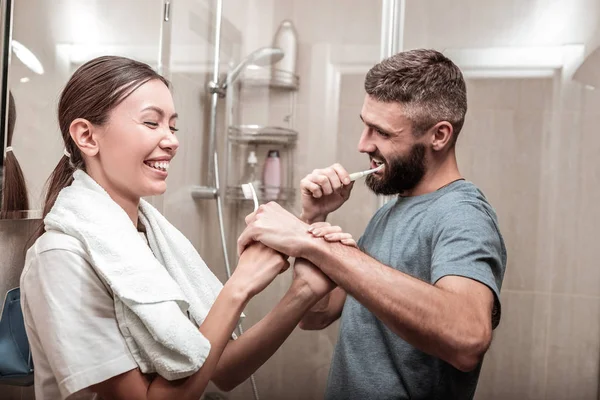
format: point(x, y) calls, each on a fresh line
point(499, 23)
point(548, 343)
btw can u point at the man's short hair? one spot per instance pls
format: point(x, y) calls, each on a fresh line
point(428, 83)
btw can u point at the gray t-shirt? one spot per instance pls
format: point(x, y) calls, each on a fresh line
point(453, 231)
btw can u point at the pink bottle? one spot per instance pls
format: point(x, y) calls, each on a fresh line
point(272, 175)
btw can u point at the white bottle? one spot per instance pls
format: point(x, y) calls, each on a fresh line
point(251, 175)
point(286, 39)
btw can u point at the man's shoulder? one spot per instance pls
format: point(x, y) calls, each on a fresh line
point(463, 196)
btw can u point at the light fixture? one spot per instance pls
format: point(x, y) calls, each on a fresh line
point(27, 57)
point(24, 79)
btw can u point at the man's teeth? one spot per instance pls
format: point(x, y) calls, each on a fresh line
point(160, 165)
point(378, 163)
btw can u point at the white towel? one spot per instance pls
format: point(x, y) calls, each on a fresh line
point(155, 288)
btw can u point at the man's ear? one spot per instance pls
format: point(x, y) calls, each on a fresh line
point(442, 135)
point(82, 133)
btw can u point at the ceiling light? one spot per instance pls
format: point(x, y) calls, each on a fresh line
point(27, 57)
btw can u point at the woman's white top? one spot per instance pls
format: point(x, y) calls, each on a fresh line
point(70, 321)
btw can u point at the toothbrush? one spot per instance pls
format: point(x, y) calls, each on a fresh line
point(358, 175)
point(250, 193)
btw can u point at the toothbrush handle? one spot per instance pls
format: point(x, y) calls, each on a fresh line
point(357, 175)
point(254, 197)
point(360, 174)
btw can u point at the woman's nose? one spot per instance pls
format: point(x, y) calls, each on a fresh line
point(170, 142)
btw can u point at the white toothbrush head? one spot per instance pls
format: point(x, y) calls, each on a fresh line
point(250, 193)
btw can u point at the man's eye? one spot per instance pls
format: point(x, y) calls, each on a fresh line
point(173, 129)
point(151, 124)
point(382, 134)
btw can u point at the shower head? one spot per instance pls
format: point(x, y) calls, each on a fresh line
point(262, 57)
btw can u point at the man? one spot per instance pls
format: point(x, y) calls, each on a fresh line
point(421, 296)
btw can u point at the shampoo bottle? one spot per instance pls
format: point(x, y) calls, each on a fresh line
point(286, 39)
point(272, 175)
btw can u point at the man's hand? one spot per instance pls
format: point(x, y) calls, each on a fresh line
point(332, 233)
point(324, 191)
point(276, 228)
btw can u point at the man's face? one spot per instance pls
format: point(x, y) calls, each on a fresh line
point(388, 139)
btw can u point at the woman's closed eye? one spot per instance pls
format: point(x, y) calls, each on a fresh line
point(155, 125)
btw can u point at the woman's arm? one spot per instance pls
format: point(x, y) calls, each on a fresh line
point(257, 268)
point(309, 289)
point(243, 356)
point(217, 328)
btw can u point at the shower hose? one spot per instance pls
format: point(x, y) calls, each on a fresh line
point(226, 256)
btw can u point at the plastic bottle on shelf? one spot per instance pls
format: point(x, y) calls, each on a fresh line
point(272, 175)
point(251, 175)
point(287, 40)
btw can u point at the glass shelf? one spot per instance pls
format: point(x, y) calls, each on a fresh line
point(258, 134)
point(269, 77)
point(285, 194)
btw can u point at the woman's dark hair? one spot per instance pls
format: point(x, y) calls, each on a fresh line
point(94, 90)
point(14, 189)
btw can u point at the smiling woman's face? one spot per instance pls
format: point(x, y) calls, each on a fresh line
point(136, 144)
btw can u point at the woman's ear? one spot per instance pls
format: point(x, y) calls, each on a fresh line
point(443, 134)
point(82, 133)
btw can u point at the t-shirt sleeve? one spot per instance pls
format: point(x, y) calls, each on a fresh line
point(467, 243)
point(73, 314)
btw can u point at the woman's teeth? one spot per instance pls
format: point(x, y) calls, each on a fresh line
point(160, 165)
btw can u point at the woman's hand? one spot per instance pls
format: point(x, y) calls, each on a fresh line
point(258, 267)
point(308, 275)
point(331, 233)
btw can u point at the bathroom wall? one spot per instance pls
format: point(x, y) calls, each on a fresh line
point(502, 149)
point(541, 179)
point(497, 23)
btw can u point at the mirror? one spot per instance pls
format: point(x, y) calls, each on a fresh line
point(69, 33)
point(38, 63)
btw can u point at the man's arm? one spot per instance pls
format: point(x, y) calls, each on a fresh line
point(325, 312)
point(450, 320)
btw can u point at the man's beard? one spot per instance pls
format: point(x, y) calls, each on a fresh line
point(400, 174)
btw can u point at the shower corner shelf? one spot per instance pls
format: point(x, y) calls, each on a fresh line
point(261, 135)
point(260, 139)
point(285, 195)
point(269, 77)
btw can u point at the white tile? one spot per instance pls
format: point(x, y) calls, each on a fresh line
point(573, 348)
point(514, 367)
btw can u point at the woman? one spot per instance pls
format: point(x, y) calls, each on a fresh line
point(117, 121)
